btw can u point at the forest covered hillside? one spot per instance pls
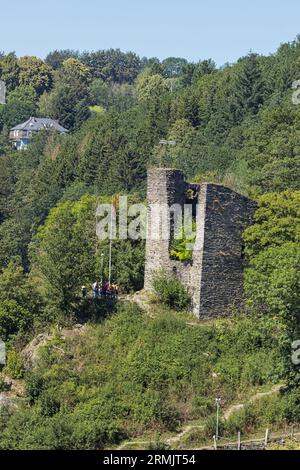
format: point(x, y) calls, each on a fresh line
point(127, 373)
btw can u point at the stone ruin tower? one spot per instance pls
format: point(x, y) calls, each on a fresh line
point(214, 277)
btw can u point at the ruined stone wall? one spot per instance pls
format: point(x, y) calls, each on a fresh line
point(165, 186)
point(215, 276)
point(227, 215)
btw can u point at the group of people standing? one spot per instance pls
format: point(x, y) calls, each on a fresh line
point(102, 290)
point(105, 289)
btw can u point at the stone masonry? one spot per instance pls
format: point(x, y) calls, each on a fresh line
point(214, 277)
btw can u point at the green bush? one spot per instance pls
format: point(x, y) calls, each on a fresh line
point(211, 425)
point(242, 420)
point(13, 319)
point(14, 365)
point(181, 248)
point(49, 405)
point(202, 406)
point(171, 292)
point(34, 385)
point(3, 386)
point(158, 445)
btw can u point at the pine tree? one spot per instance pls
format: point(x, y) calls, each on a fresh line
point(248, 87)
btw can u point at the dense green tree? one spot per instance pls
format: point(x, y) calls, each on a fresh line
point(187, 73)
point(204, 67)
point(65, 103)
point(270, 146)
point(277, 221)
point(113, 65)
point(68, 102)
point(35, 73)
point(20, 287)
point(23, 93)
point(272, 246)
point(7, 180)
point(248, 86)
point(21, 104)
point(172, 66)
point(151, 87)
point(273, 280)
point(56, 58)
point(64, 255)
point(14, 240)
point(116, 97)
point(74, 73)
point(14, 318)
point(20, 303)
point(9, 71)
point(16, 112)
point(99, 93)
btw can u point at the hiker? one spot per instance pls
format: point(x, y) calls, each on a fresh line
point(106, 288)
point(95, 289)
point(115, 289)
point(99, 288)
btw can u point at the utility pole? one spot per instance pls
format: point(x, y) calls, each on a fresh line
point(102, 258)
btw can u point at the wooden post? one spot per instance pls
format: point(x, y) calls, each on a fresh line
point(239, 441)
point(266, 437)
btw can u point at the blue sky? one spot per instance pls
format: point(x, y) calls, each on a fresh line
point(194, 29)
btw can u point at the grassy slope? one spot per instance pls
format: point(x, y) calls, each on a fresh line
point(134, 376)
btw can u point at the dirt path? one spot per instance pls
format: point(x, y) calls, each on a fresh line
point(127, 443)
point(185, 431)
point(169, 440)
point(232, 409)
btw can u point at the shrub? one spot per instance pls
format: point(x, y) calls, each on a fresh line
point(13, 318)
point(3, 386)
point(171, 292)
point(158, 445)
point(202, 406)
point(14, 365)
point(211, 425)
point(49, 405)
point(182, 248)
point(34, 385)
point(242, 420)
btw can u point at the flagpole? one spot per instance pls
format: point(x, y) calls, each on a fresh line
point(110, 241)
